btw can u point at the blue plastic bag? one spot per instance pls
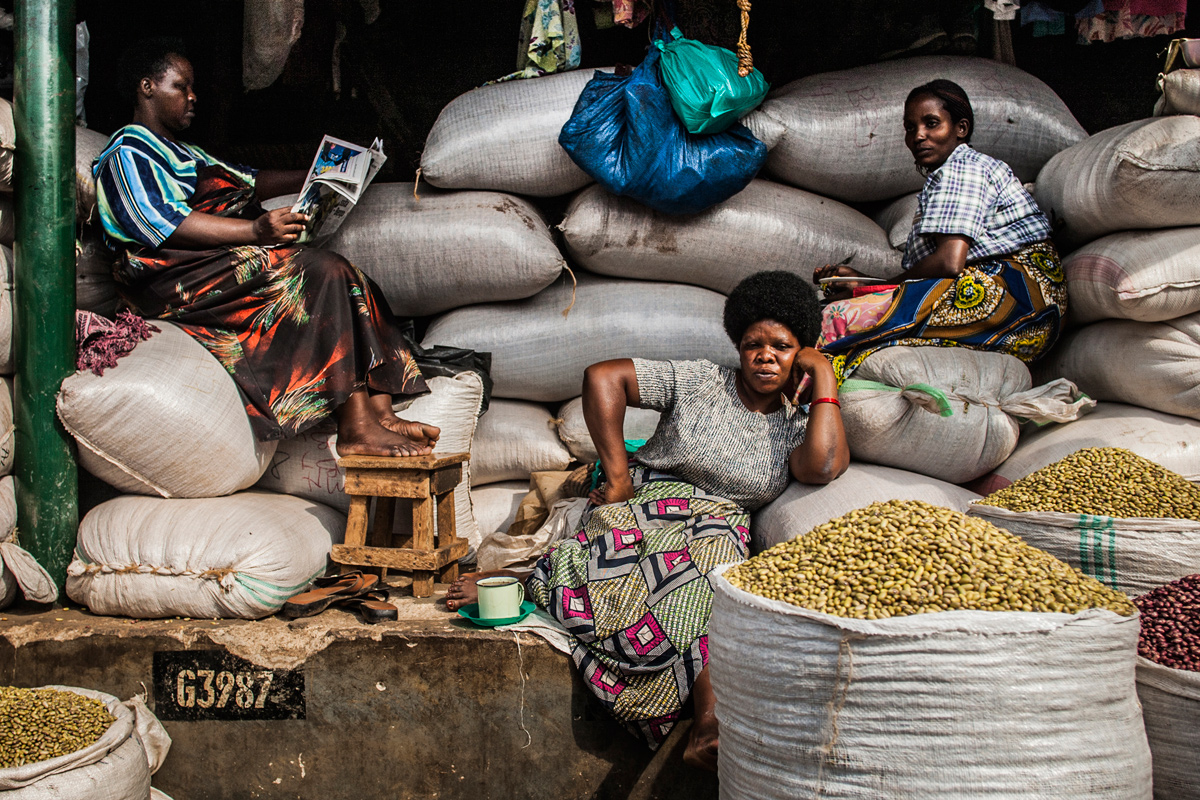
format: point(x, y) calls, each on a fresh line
point(706, 91)
point(624, 133)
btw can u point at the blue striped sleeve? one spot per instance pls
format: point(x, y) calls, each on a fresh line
point(140, 200)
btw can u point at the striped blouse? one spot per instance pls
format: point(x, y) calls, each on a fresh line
point(144, 182)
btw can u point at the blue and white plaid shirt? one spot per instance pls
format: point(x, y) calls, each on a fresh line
point(977, 196)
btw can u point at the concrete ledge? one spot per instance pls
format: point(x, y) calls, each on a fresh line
point(428, 706)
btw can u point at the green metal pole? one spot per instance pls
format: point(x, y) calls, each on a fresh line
point(44, 314)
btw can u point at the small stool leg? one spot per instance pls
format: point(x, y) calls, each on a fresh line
point(446, 534)
point(356, 525)
point(423, 540)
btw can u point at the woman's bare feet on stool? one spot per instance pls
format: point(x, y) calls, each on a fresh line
point(419, 432)
point(361, 434)
point(463, 591)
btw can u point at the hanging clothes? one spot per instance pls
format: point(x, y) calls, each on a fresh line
point(1110, 20)
point(549, 40)
point(1046, 21)
point(630, 13)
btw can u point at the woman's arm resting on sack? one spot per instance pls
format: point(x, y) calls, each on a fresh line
point(947, 261)
point(608, 388)
point(824, 454)
point(200, 231)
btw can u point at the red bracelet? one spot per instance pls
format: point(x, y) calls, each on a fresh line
point(832, 400)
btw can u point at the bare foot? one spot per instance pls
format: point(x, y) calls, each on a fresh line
point(369, 438)
point(701, 751)
point(463, 591)
point(419, 432)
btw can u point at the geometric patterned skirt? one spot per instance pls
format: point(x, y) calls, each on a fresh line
point(1011, 304)
point(632, 590)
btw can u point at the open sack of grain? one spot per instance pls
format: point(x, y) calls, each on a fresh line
point(1117, 517)
point(240, 556)
point(844, 137)
point(1168, 685)
point(947, 412)
point(877, 655)
point(111, 747)
point(306, 465)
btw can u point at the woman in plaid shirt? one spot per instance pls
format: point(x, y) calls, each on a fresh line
point(980, 270)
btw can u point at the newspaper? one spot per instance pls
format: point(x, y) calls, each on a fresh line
point(340, 173)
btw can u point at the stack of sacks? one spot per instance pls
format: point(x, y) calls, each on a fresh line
point(664, 276)
point(1127, 199)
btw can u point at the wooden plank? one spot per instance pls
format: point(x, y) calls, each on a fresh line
point(446, 534)
point(387, 483)
point(404, 539)
point(445, 479)
point(407, 560)
point(423, 510)
point(381, 531)
point(356, 522)
point(422, 585)
point(426, 463)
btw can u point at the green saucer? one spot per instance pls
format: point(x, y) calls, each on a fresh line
point(471, 612)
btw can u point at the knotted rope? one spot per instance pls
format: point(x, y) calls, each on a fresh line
point(745, 60)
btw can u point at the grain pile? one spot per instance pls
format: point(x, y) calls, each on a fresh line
point(1171, 624)
point(907, 557)
point(41, 724)
point(1103, 481)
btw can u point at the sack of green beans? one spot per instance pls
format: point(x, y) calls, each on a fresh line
point(906, 650)
point(947, 412)
point(64, 743)
point(1117, 517)
point(1168, 682)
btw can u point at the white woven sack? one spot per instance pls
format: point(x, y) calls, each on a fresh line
point(844, 137)
point(8, 442)
point(803, 507)
point(117, 766)
point(896, 219)
point(495, 505)
point(7, 312)
point(19, 570)
point(240, 556)
point(1147, 276)
point(166, 420)
point(448, 249)
point(95, 289)
point(1181, 92)
point(1165, 439)
point(306, 465)
point(766, 226)
point(504, 137)
point(1133, 555)
point(539, 354)
point(947, 412)
point(8, 524)
point(88, 145)
point(8, 221)
point(1139, 175)
point(8, 145)
point(269, 29)
point(640, 423)
point(944, 705)
point(1170, 707)
point(1149, 364)
point(514, 439)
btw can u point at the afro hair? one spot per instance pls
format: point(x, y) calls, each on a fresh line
point(146, 58)
point(781, 296)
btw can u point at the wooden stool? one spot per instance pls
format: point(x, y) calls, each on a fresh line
point(424, 481)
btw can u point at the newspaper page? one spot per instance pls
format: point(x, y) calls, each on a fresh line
point(340, 173)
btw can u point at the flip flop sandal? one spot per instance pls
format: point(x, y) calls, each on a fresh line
point(371, 607)
point(329, 589)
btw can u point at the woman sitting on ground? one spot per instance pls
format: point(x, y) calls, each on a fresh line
point(980, 270)
point(303, 332)
point(631, 586)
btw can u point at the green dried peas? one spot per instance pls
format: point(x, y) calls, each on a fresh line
point(906, 557)
point(40, 724)
point(1103, 482)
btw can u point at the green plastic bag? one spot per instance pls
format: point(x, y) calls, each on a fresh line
point(706, 91)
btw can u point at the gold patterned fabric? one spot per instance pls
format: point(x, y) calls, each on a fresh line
point(1014, 304)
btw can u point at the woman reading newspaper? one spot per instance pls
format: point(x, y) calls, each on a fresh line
point(303, 332)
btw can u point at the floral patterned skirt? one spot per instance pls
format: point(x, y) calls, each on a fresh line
point(631, 588)
point(1013, 304)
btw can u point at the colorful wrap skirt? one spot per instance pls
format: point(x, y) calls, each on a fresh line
point(1012, 304)
point(298, 329)
point(632, 590)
